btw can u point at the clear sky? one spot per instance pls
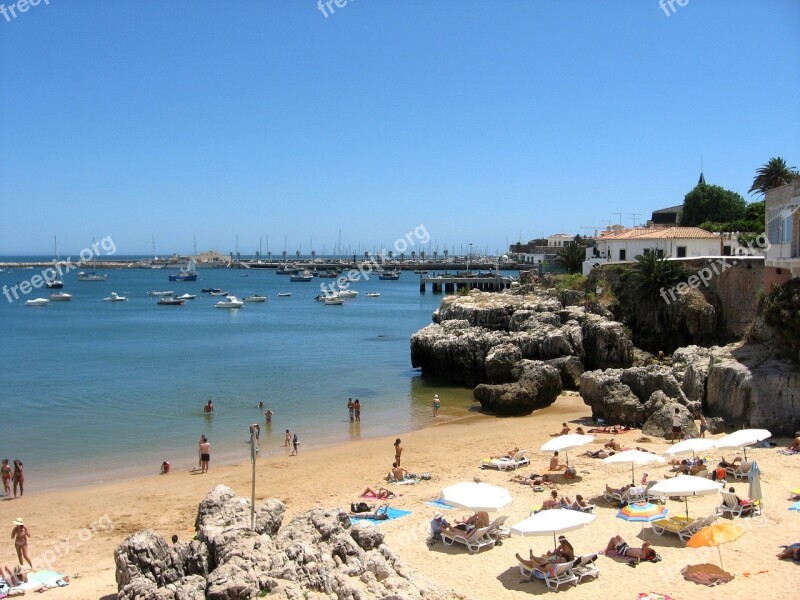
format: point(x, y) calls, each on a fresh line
point(485, 121)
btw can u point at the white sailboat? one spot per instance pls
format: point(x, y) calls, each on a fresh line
point(92, 275)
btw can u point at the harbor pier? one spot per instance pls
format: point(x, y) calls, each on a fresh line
point(450, 284)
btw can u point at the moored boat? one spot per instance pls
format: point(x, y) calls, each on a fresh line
point(156, 293)
point(37, 302)
point(372, 294)
point(389, 275)
point(230, 302)
point(218, 293)
point(61, 297)
point(169, 301)
point(346, 294)
point(186, 297)
point(302, 276)
point(114, 297)
point(333, 300)
point(209, 290)
point(186, 274)
point(255, 298)
point(284, 294)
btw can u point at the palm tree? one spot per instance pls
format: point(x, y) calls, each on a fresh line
point(650, 281)
point(773, 174)
point(572, 256)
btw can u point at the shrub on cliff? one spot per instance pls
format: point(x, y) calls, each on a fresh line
point(781, 309)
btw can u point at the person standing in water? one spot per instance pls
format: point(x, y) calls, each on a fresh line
point(18, 478)
point(288, 440)
point(351, 408)
point(5, 473)
point(268, 416)
point(209, 407)
point(203, 438)
point(295, 444)
point(436, 405)
point(357, 410)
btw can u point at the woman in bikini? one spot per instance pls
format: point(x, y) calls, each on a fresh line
point(398, 450)
point(381, 494)
point(20, 536)
point(18, 478)
point(5, 471)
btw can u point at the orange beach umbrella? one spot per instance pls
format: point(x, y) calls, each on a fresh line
point(716, 535)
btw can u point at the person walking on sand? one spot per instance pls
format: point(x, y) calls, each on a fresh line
point(357, 410)
point(703, 425)
point(398, 450)
point(18, 478)
point(287, 441)
point(20, 535)
point(676, 426)
point(5, 473)
point(351, 408)
point(203, 438)
point(295, 444)
point(205, 455)
point(436, 405)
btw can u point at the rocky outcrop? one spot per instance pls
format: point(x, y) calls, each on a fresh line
point(316, 555)
point(537, 385)
point(571, 368)
point(660, 410)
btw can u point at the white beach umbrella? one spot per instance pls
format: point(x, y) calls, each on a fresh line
point(742, 439)
point(565, 442)
point(685, 486)
point(634, 457)
point(552, 522)
point(476, 496)
point(690, 446)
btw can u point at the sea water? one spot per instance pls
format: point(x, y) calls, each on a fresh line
point(95, 390)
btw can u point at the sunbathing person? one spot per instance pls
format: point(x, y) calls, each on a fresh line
point(613, 445)
point(735, 463)
point(623, 549)
point(479, 519)
point(577, 504)
point(551, 502)
point(795, 445)
point(599, 453)
point(745, 503)
point(564, 431)
point(381, 494)
point(16, 577)
point(792, 552)
point(619, 491)
point(397, 473)
point(532, 481)
point(510, 454)
point(535, 562)
point(564, 552)
point(379, 514)
point(555, 463)
point(579, 430)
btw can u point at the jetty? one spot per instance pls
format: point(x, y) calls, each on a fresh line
point(450, 283)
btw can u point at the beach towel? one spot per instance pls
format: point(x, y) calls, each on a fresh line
point(374, 497)
point(788, 452)
point(653, 596)
point(406, 482)
point(392, 513)
point(439, 503)
point(706, 574)
point(37, 579)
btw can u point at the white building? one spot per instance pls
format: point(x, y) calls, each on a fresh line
point(559, 240)
point(677, 242)
point(783, 232)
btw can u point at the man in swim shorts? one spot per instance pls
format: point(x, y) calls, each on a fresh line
point(205, 455)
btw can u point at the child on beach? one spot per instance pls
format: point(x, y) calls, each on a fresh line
point(165, 466)
point(436, 405)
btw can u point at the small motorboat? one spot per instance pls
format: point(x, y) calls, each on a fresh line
point(209, 290)
point(372, 294)
point(256, 298)
point(390, 276)
point(61, 297)
point(186, 297)
point(284, 294)
point(303, 275)
point(329, 275)
point(55, 284)
point(170, 301)
point(230, 302)
point(37, 302)
point(333, 300)
point(114, 297)
point(346, 294)
point(218, 293)
point(156, 293)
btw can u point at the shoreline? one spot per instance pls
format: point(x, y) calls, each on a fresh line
point(451, 451)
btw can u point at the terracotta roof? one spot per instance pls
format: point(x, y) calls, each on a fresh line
point(681, 233)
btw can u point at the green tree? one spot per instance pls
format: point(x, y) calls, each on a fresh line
point(771, 175)
point(711, 203)
point(572, 256)
point(650, 277)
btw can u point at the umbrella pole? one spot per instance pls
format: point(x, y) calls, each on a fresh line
point(686, 502)
point(633, 479)
point(719, 551)
point(567, 453)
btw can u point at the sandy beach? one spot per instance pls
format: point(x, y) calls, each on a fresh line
point(76, 530)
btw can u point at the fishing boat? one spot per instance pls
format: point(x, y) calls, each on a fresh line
point(333, 300)
point(421, 271)
point(302, 276)
point(186, 274)
point(389, 275)
point(372, 294)
point(186, 297)
point(255, 298)
point(156, 293)
point(209, 290)
point(285, 269)
point(230, 302)
point(37, 302)
point(329, 275)
point(346, 294)
point(61, 297)
point(114, 297)
point(170, 301)
point(284, 294)
point(218, 293)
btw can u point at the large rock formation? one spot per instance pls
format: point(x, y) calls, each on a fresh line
point(537, 385)
point(481, 338)
point(318, 555)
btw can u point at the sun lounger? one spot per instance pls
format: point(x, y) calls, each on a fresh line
point(682, 528)
point(498, 528)
point(629, 496)
point(554, 576)
point(584, 566)
point(507, 464)
point(730, 504)
point(741, 471)
point(474, 540)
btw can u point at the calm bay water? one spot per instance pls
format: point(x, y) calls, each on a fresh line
point(92, 390)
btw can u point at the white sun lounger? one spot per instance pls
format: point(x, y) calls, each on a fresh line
point(474, 540)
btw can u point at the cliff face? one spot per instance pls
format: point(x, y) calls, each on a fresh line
point(519, 349)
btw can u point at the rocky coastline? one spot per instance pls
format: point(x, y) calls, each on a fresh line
point(519, 349)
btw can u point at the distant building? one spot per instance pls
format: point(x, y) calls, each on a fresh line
point(559, 240)
point(676, 242)
point(667, 217)
point(783, 233)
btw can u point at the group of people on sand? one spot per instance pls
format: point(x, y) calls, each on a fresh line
point(465, 524)
point(12, 478)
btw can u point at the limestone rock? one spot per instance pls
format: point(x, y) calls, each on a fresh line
point(146, 555)
point(538, 385)
point(606, 344)
point(366, 535)
point(500, 361)
point(570, 368)
point(660, 409)
point(610, 399)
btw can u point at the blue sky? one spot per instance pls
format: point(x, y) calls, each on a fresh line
point(483, 121)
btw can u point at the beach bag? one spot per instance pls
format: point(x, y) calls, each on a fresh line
point(359, 507)
point(425, 476)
